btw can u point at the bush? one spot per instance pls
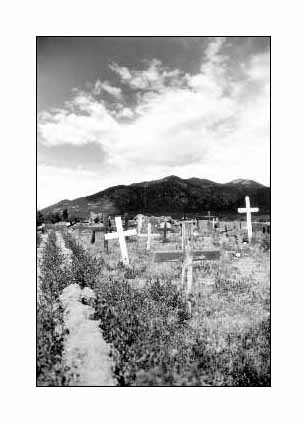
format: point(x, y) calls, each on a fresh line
point(54, 276)
point(147, 328)
point(154, 343)
point(38, 239)
point(85, 268)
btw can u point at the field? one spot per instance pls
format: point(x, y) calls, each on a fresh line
point(101, 323)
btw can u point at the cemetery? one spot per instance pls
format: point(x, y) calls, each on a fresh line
point(155, 301)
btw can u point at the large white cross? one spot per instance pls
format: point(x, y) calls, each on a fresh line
point(121, 234)
point(248, 210)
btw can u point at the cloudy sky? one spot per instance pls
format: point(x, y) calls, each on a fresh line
point(121, 110)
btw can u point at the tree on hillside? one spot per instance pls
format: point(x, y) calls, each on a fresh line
point(65, 215)
point(53, 218)
point(39, 218)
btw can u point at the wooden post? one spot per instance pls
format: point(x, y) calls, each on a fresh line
point(187, 267)
point(126, 219)
point(183, 236)
point(148, 236)
point(106, 245)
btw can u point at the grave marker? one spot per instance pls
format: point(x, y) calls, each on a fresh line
point(139, 223)
point(149, 235)
point(187, 256)
point(248, 210)
point(165, 229)
point(121, 234)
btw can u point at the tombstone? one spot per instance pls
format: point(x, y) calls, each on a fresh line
point(248, 210)
point(120, 234)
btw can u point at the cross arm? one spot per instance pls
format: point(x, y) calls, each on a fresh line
point(151, 235)
point(130, 232)
point(97, 228)
point(111, 235)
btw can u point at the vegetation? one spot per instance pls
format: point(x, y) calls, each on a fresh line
point(84, 268)
point(54, 276)
point(65, 215)
point(225, 342)
point(38, 239)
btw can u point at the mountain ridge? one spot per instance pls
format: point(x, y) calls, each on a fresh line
point(171, 194)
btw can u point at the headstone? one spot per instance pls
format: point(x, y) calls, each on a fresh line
point(248, 210)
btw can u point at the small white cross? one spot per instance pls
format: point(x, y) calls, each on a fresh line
point(149, 235)
point(248, 210)
point(121, 234)
point(139, 223)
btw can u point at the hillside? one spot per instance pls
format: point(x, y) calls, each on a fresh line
point(171, 195)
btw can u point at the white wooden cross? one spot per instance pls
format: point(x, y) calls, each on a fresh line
point(121, 234)
point(248, 210)
point(187, 228)
point(187, 256)
point(139, 223)
point(149, 235)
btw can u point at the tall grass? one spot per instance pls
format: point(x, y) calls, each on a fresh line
point(85, 268)
point(157, 346)
point(54, 276)
point(155, 341)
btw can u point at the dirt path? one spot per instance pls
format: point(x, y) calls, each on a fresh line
point(65, 251)
point(86, 353)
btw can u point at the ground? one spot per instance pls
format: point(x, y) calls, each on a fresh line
point(223, 340)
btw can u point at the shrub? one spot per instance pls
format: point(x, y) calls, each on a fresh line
point(54, 276)
point(85, 268)
point(38, 239)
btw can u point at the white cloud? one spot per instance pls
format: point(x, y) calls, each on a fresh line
point(154, 77)
point(205, 125)
point(85, 120)
point(107, 87)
